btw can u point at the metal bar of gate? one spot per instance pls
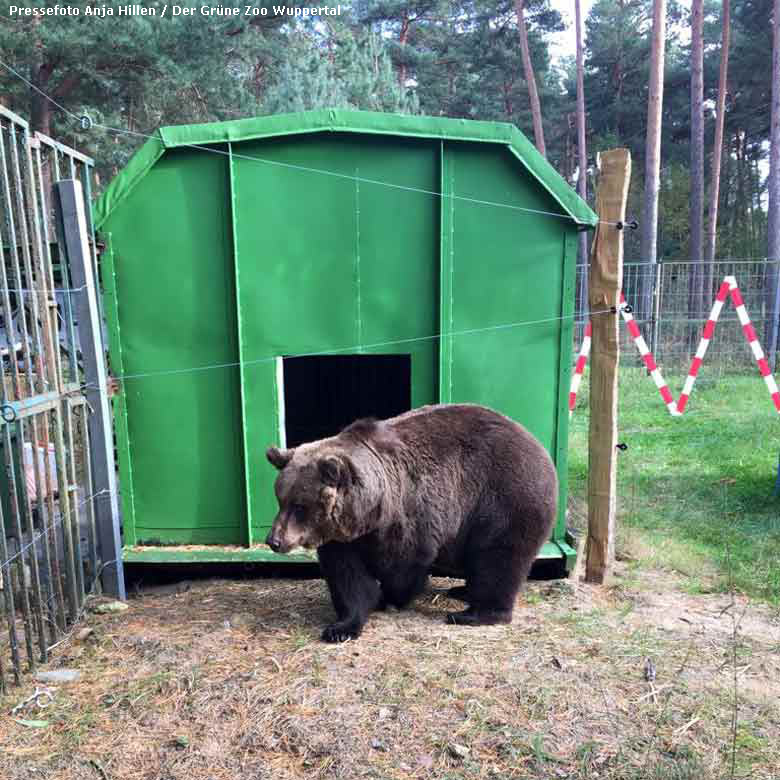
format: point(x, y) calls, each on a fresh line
point(5, 570)
point(74, 231)
point(16, 504)
point(38, 403)
point(46, 274)
point(52, 534)
point(54, 381)
point(30, 228)
point(90, 491)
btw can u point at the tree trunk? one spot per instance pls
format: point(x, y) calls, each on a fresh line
point(402, 38)
point(717, 150)
point(752, 199)
point(40, 116)
point(728, 198)
point(696, 218)
point(508, 107)
point(40, 73)
point(582, 157)
point(773, 224)
point(740, 209)
point(619, 71)
point(536, 109)
point(649, 249)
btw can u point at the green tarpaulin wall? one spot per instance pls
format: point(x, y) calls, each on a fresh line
point(339, 235)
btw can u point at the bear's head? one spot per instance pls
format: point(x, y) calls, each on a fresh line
point(323, 497)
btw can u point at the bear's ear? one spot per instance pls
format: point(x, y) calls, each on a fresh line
point(333, 470)
point(279, 458)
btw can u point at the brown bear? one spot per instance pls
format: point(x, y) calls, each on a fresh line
point(458, 486)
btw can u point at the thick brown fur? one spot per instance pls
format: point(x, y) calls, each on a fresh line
point(457, 486)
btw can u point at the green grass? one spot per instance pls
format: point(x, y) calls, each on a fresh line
point(696, 490)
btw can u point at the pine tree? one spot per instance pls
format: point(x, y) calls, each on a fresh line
point(653, 154)
point(402, 24)
point(617, 51)
point(773, 228)
point(582, 157)
point(464, 61)
point(343, 71)
point(695, 300)
point(717, 147)
point(530, 79)
point(155, 71)
point(742, 218)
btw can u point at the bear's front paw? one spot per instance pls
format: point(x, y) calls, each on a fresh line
point(341, 632)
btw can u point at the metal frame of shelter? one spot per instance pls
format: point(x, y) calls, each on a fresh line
point(481, 186)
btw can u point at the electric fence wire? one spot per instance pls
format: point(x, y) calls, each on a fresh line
point(349, 349)
point(292, 166)
point(22, 549)
point(336, 174)
point(669, 262)
point(323, 172)
point(77, 619)
point(49, 290)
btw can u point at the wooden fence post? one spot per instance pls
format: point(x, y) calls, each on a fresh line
point(73, 223)
point(606, 282)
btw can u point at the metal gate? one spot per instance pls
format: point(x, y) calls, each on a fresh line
point(50, 555)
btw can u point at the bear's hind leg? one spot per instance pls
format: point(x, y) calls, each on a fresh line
point(459, 592)
point(401, 587)
point(493, 579)
point(479, 617)
point(354, 592)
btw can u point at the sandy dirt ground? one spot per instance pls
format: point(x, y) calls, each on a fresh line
point(217, 679)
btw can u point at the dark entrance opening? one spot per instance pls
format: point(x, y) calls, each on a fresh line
point(324, 394)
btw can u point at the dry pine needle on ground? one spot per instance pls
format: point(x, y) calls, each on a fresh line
point(229, 679)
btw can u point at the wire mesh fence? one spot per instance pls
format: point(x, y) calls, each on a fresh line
point(47, 525)
point(671, 302)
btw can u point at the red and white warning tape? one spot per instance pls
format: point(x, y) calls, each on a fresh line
point(728, 287)
point(706, 337)
point(647, 357)
point(579, 368)
point(750, 335)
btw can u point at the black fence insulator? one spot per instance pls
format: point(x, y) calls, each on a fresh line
point(622, 446)
point(633, 224)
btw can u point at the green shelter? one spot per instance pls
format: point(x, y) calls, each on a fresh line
point(267, 281)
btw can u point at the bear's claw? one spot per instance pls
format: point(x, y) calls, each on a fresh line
point(340, 633)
